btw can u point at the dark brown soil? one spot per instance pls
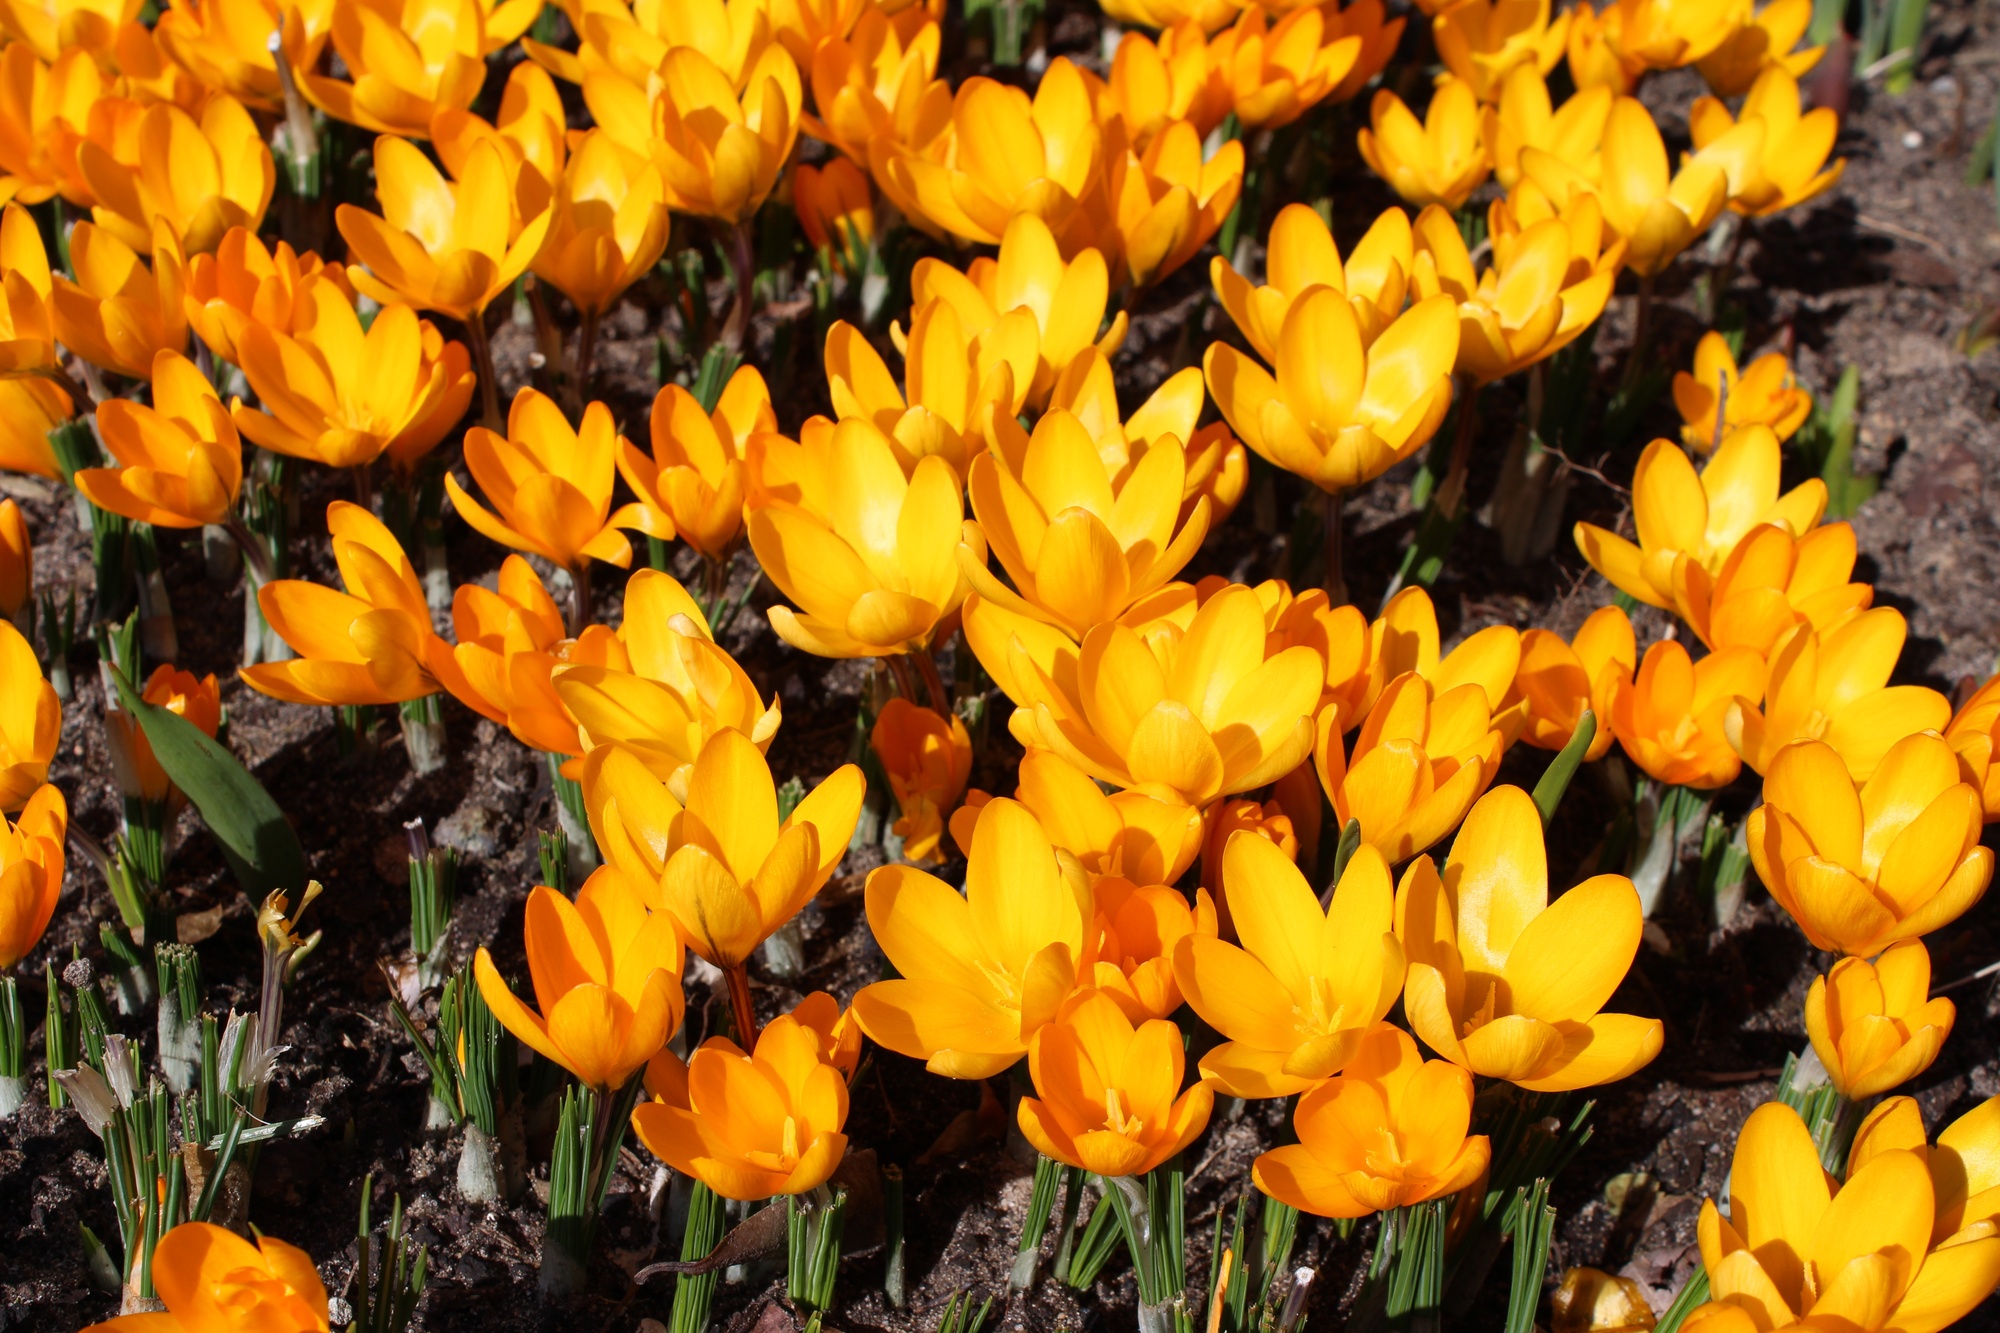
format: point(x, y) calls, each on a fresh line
point(1885, 273)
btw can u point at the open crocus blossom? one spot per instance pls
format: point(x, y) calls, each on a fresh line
point(1548, 282)
point(1080, 550)
point(1718, 399)
point(1481, 43)
point(1772, 582)
point(607, 224)
point(1526, 118)
point(1152, 84)
point(1670, 717)
point(225, 44)
point(607, 978)
point(1167, 201)
point(1974, 733)
point(180, 463)
point(1422, 757)
point(1862, 865)
point(406, 60)
point(1667, 34)
point(211, 1280)
point(1800, 1251)
point(1677, 512)
point(1404, 638)
point(27, 329)
point(1774, 152)
point(1769, 38)
point(1340, 410)
point(1441, 160)
point(1275, 73)
point(337, 395)
point(748, 1126)
point(1874, 1025)
point(510, 642)
point(1300, 255)
point(1182, 715)
point(1504, 982)
point(444, 245)
point(119, 314)
point(980, 973)
point(1596, 58)
point(692, 485)
point(1262, 819)
point(927, 759)
point(550, 484)
point(1110, 1099)
point(243, 283)
point(874, 563)
point(719, 150)
point(1659, 212)
point(31, 872)
point(201, 176)
point(30, 720)
point(1297, 999)
point(372, 644)
point(1835, 687)
point(1559, 680)
point(1134, 934)
point(875, 82)
point(1389, 1131)
point(1964, 1163)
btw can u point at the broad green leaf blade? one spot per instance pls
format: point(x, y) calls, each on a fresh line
point(256, 840)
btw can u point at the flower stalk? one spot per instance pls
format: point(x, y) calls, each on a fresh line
point(590, 1130)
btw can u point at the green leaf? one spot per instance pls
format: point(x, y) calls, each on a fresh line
point(256, 840)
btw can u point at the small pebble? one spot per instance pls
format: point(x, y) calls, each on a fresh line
point(1913, 139)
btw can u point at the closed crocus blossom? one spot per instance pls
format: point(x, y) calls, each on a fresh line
point(1296, 1001)
point(1079, 550)
point(1799, 1250)
point(243, 283)
point(1669, 717)
point(226, 45)
point(1677, 512)
point(335, 394)
point(719, 150)
point(1126, 833)
point(406, 60)
point(1339, 411)
point(607, 224)
point(1782, 161)
point(30, 720)
point(1183, 715)
point(373, 643)
point(1134, 934)
point(1168, 201)
point(1974, 732)
point(1065, 297)
point(511, 640)
point(1667, 34)
point(1862, 865)
point(1548, 283)
point(213, 1281)
point(527, 130)
point(1301, 254)
point(1659, 212)
point(1388, 1132)
point(980, 973)
point(44, 109)
point(27, 328)
point(1559, 680)
point(607, 979)
point(1718, 398)
point(1276, 73)
point(1422, 757)
point(119, 313)
point(1596, 57)
point(927, 759)
point(31, 872)
point(876, 82)
point(1834, 686)
point(201, 175)
point(876, 567)
point(1768, 39)
point(179, 461)
point(17, 561)
point(748, 1126)
point(1504, 982)
point(1441, 160)
point(692, 486)
point(1110, 1099)
point(1483, 41)
point(1405, 638)
point(836, 211)
point(956, 375)
point(1772, 582)
point(181, 693)
point(1874, 1025)
point(1206, 14)
point(1152, 84)
point(440, 244)
point(1526, 118)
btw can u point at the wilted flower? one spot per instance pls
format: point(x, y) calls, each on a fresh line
point(1669, 717)
point(1590, 1300)
point(406, 60)
point(692, 486)
point(1108, 1088)
point(242, 283)
point(119, 314)
point(213, 1281)
point(200, 176)
point(927, 759)
point(1874, 1025)
point(30, 720)
point(607, 978)
point(978, 974)
point(31, 871)
point(1774, 152)
point(1559, 680)
point(1136, 929)
point(372, 644)
point(180, 463)
point(1862, 865)
point(748, 1126)
point(1483, 41)
point(1297, 1000)
point(1440, 161)
point(1834, 686)
point(1389, 1131)
point(1504, 982)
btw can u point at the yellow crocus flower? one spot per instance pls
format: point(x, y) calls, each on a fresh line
point(1441, 160)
